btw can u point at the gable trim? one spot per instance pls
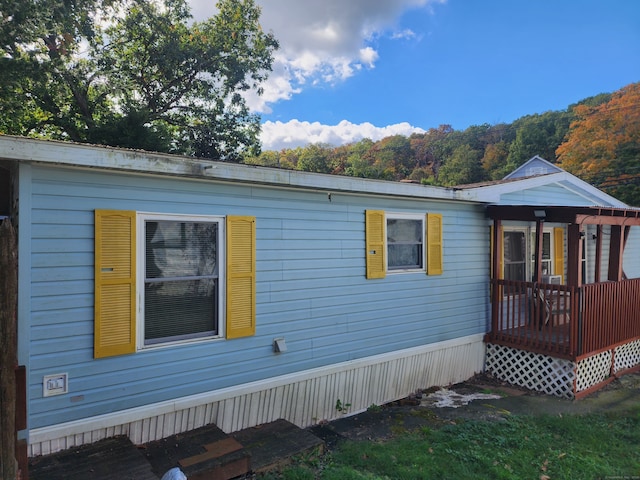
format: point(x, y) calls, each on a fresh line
point(493, 193)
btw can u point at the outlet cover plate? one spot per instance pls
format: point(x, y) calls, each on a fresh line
point(56, 384)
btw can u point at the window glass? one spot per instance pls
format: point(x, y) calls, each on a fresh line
point(181, 280)
point(405, 243)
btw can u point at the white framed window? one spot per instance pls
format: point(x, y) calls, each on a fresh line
point(180, 272)
point(405, 242)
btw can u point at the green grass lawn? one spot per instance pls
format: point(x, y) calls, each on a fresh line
point(522, 447)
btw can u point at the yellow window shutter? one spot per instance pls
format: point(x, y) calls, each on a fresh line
point(115, 283)
point(434, 244)
point(558, 252)
point(241, 276)
point(375, 243)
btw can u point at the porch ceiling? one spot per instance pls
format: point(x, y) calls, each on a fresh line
point(574, 215)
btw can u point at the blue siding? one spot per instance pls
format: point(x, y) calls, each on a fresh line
point(311, 289)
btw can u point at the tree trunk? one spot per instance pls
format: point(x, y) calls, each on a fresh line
point(8, 347)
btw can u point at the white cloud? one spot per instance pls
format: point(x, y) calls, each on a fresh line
point(368, 56)
point(321, 42)
point(294, 133)
point(406, 34)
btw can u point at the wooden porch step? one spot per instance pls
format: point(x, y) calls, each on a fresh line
point(222, 460)
point(274, 444)
point(213, 450)
point(107, 459)
point(206, 453)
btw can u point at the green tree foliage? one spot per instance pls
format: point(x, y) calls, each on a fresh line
point(285, 158)
point(462, 167)
point(538, 135)
point(39, 64)
point(393, 157)
point(624, 179)
point(270, 158)
point(494, 160)
point(315, 158)
point(289, 158)
point(339, 158)
point(358, 164)
point(134, 74)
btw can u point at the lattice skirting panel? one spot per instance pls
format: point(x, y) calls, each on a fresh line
point(626, 356)
point(537, 372)
point(554, 376)
point(593, 370)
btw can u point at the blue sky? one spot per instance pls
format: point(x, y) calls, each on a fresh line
point(349, 69)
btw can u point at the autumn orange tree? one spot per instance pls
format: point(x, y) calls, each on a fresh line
point(603, 144)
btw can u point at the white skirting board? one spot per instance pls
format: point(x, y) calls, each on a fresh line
point(304, 398)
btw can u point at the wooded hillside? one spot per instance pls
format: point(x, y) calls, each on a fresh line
point(597, 139)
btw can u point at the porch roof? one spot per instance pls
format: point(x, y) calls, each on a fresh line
point(571, 215)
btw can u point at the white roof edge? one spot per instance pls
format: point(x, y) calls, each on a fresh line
point(492, 193)
point(117, 159)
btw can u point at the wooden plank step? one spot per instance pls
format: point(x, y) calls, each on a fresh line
point(206, 453)
point(213, 450)
point(106, 459)
point(272, 445)
point(225, 467)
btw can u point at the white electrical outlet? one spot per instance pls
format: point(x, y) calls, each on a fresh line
point(56, 384)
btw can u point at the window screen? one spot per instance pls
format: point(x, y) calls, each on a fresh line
point(181, 280)
point(405, 243)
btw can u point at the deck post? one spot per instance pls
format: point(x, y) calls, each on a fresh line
point(495, 270)
point(574, 254)
point(8, 348)
point(598, 259)
point(537, 277)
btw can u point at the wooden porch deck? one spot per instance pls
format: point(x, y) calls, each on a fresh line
point(554, 338)
point(564, 341)
point(565, 322)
